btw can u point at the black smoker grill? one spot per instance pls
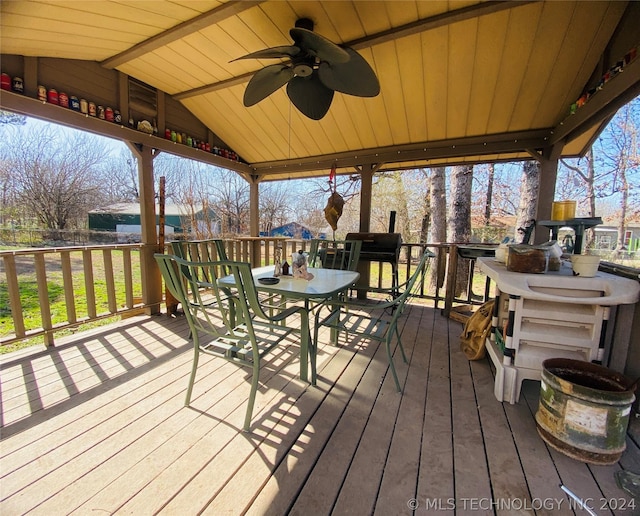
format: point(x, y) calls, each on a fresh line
point(380, 247)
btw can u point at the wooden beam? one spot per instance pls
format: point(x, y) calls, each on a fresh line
point(203, 21)
point(254, 208)
point(67, 117)
point(437, 21)
point(461, 147)
point(620, 90)
point(214, 87)
point(425, 24)
point(366, 189)
point(30, 77)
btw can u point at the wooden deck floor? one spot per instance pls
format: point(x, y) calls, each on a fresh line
point(97, 426)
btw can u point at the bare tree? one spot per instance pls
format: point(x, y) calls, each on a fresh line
point(418, 207)
point(119, 178)
point(276, 206)
point(529, 187)
point(504, 192)
point(9, 118)
point(55, 175)
point(489, 197)
point(194, 186)
point(438, 205)
point(586, 178)
point(9, 206)
point(425, 224)
point(460, 209)
point(484, 204)
point(393, 197)
point(460, 217)
point(619, 148)
point(305, 201)
point(231, 202)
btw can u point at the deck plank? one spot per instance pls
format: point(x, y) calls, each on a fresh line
point(219, 442)
point(326, 481)
point(398, 487)
point(359, 491)
point(540, 472)
point(326, 430)
point(508, 484)
point(260, 451)
point(471, 471)
point(435, 492)
point(99, 425)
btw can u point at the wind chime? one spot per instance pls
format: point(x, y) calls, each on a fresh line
point(333, 209)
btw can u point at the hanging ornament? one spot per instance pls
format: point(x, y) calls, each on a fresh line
point(333, 209)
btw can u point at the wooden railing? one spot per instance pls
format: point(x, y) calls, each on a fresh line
point(97, 282)
point(102, 281)
point(94, 282)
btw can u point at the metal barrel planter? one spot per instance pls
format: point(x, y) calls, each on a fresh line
point(584, 410)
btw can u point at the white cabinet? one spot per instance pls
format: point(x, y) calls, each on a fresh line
point(552, 315)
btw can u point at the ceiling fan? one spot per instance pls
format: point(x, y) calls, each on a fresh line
point(314, 69)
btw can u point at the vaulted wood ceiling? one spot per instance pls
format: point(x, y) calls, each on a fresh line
point(461, 81)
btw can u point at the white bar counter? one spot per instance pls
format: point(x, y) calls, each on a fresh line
point(607, 289)
point(551, 315)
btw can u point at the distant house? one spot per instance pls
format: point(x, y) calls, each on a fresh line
point(125, 218)
point(606, 237)
point(291, 230)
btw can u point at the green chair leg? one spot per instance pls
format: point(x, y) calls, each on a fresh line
point(192, 376)
point(252, 396)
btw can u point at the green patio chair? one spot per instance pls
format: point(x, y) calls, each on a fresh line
point(211, 250)
point(212, 326)
point(375, 321)
point(208, 250)
point(335, 254)
point(203, 251)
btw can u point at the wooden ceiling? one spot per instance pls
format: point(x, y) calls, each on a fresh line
point(461, 81)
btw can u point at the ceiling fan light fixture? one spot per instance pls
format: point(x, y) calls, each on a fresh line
point(302, 70)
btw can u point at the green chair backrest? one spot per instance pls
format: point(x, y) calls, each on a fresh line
point(210, 250)
point(411, 286)
point(335, 254)
point(246, 333)
point(194, 285)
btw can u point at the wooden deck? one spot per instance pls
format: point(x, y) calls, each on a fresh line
point(97, 426)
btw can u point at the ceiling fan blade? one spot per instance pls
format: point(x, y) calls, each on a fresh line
point(311, 97)
point(265, 82)
point(318, 45)
point(354, 77)
point(271, 53)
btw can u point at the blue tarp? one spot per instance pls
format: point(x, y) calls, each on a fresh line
point(291, 230)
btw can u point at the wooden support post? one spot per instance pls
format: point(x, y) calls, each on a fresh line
point(546, 193)
point(254, 221)
point(169, 300)
point(151, 278)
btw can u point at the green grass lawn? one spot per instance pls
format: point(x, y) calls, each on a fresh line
point(31, 305)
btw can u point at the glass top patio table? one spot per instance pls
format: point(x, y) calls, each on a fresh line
point(325, 284)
